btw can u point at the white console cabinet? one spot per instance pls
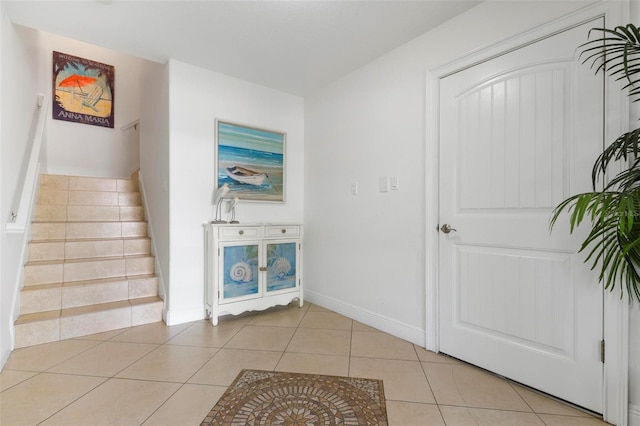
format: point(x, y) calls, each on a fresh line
point(251, 267)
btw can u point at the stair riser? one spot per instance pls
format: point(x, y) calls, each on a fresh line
point(93, 249)
point(41, 300)
point(46, 251)
point(62, 197)
point(143, 287)
point(73, 297)
point(76, 183)
point(43, 274)
point(87, 230)
point(57, 213)
point(104, 293)
point(89, 270)
point(88, 249)
point(65, 297)
point(94, 322)
point(146, 313)
point(36, 333)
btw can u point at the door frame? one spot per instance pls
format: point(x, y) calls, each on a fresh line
point(615, 312)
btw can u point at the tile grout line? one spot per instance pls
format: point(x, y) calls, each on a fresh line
point(426, 377)
point(351, 354)
point(243, 326)
point(511, 385)
point(292, 336)
point(156, 381)
point(106, 379)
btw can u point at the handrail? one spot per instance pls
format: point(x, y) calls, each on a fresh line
point(19, 219)
point(134, 124)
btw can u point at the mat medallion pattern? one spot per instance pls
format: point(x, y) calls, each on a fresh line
point(259, 397)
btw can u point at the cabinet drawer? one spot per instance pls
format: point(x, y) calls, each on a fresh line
point(282, 231)
point(240, 232)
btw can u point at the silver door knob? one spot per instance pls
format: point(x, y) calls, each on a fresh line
point(446, 228)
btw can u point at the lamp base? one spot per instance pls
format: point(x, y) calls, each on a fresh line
point(218, 221)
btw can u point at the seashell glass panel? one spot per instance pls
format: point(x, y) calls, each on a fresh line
point(240, 270)
point(282, 263)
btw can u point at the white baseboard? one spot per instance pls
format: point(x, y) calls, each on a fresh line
point(372, 319)
point(4, 356)
point(634, 415)
point(181, 316)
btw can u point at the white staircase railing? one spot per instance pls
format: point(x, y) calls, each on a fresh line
point(20, 217)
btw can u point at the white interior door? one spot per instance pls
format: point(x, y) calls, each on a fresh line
point(518, 134)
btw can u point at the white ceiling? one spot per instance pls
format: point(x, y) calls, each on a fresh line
point(293, 46)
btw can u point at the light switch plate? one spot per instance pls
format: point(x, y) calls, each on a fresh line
point(384, 184)
point(395, 183)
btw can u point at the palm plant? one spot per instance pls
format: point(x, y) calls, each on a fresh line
point(613, 244)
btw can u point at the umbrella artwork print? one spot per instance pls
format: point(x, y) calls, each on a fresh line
point(251, 161)
point(83, 90)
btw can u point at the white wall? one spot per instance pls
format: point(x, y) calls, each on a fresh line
point(365, 253)
point(19, 86)
point(634, 362)
point(197, 97)
point(85, 150)
point(5, 336)
point(154, 162)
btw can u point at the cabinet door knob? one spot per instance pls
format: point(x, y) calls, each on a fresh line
point(263, 268)
point(241, 232)
point(284, 231)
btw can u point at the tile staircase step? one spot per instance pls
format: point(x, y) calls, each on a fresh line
point(65, 213)
point(55, 271)
point(90, 267)
point(79, 183)
point(41, 298)
point(45, 231)
point(88, 248)
point(63, 197)
point(50, 297)
point(51, 326)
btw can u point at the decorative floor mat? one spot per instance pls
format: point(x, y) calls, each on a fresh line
point(259, 397)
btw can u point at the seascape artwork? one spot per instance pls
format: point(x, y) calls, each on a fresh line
point(83, 90)
point(240, 271)
point(250, 161)
point(281, 270)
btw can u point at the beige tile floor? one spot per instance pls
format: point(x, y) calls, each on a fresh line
point(159, 375)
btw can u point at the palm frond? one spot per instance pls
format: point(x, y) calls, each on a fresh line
point(616, 52)
point(613, 243)
point(626, 146)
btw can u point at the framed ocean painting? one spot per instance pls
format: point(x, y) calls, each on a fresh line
point(250, 160)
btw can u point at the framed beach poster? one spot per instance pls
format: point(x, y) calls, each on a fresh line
point(83, 90)
point(250, 160)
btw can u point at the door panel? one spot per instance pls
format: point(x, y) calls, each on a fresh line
point(525, 301)
point(282, 261)
point(239, 273)
point(518, 134)
point(510, 120)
